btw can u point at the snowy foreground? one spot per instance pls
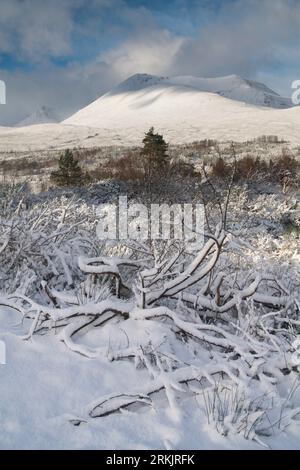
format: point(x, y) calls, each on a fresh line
point(44, 386)
point(140, 346)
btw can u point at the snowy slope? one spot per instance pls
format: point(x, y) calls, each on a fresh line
point(236, 88)
point(182, 122)
point(43, 115)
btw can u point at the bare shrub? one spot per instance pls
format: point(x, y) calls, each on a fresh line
point(220, 168)
point(284, 168)
point(247, 166)
point(127, 168)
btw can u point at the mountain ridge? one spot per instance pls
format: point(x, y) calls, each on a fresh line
point(230, 86)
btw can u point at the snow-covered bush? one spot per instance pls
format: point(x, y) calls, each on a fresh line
point(230, 410)
point(227, 313)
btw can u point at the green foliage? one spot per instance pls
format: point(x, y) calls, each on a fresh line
point(69, 172)
point(155, 150)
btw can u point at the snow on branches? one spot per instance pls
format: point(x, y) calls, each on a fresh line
point(190, 319)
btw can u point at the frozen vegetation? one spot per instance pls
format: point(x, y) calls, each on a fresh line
point(150, 344)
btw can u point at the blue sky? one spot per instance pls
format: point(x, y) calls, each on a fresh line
point(65, 53)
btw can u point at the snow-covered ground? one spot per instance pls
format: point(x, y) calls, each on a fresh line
point(44, 386)
point(183, 120)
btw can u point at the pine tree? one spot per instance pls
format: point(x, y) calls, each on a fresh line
point(155, 164)
point(155, 150)
point(69, 172)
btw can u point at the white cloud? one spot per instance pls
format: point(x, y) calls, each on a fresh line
point(246, 37)
point(151, 52)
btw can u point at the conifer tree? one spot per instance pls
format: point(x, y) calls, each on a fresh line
point(69, 172)
point(155, 164)
point(155, 150)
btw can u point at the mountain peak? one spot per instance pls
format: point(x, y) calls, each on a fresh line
point(137, 82)
point(42, 115)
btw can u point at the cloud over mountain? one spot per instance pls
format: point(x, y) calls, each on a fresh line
point(67, 52)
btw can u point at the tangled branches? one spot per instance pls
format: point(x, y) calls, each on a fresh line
point(189, 317)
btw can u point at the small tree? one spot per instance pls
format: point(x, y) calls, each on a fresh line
point(155, 150)
point(69, 172)
point(155, 163)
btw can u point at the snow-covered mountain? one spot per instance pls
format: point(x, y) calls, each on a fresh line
point(144, 99)
point(177, 107)
point(43, 115)
point(231, 86)
point(146, 96)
